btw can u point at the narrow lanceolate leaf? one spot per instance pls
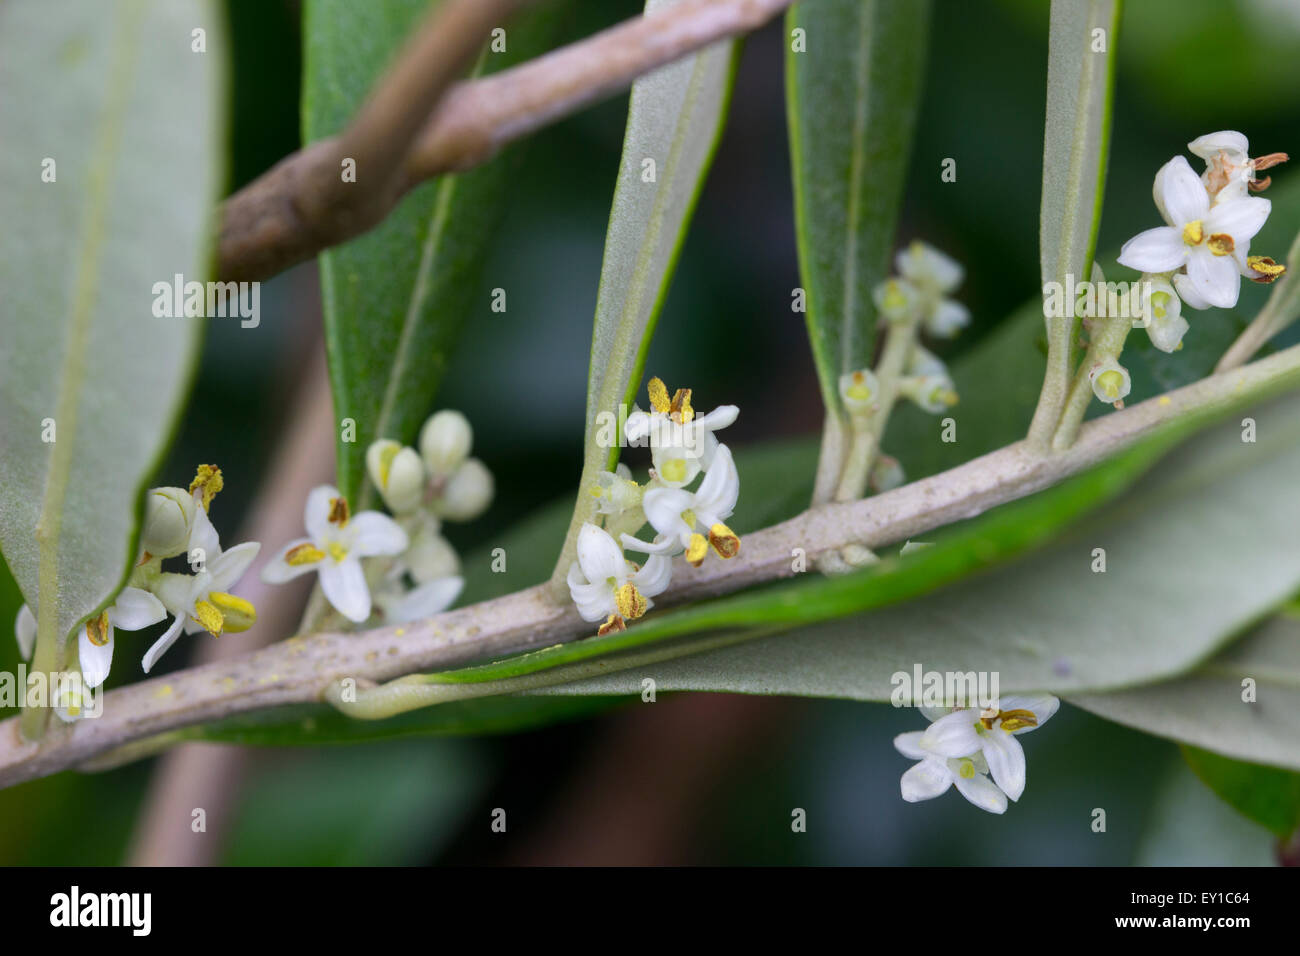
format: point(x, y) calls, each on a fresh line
point(110, 119)
point(1186, 567)
point(674, 121)
point(1268, 795)
point(396, 299)
point(1243, 703)
point(853, 82)
point(1076, 143)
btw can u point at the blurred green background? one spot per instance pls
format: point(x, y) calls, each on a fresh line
point(705, 779)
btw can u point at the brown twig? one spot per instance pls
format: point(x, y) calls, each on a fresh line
point(300, 669)
point(401, 139)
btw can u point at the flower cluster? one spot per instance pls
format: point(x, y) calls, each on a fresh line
point(402, 564)
point(176, 523)
point(964, 747)
point(606, 586)
point(1200, 255)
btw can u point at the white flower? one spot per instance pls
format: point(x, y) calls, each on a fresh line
point(615, 492)
point(168, 520)
point(1227, 163)
point(887, 474)
point(935, 276)
point(202, 601)
point(693, 520)
point(928, 383)
point(430, 556)
point(970, 732)
point(681, 442)
point(445, 441)
point(1110, 381)
point(466, 494)
point(398, 472)
point(897, 299)
point(860, 391)
point(1163, 316)
point(607, 587)
point(1212, 243)
point(933, 775)
point(133, 610)
point(335, 544)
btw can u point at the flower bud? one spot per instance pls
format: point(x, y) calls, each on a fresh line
point(467, 493)
point(887, 474)
point(1110, 382)
point(445, 441)
point(168, 517)
point(1163, 313)
point(860, 391)
point(898, 300)
point(398, 473)
point(431, 557)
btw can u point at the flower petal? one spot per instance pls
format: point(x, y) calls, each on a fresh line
point(949, 318)
point(424, 601)
point(981, 791)
point(1187, 292)
point(595, 602)
point(954, 735)
point(1228, 141)
point(926, 780)
point(277, 570)
point(316, 512)
point(909, 745)
point(161, 645)
point(654, 576)
point(230, 566)
point(1043, 706)
point(372, 533)
point(1215, 278)
point(1182, 198)
point(95, 659)
point(1006, 761)
point(344, 586)
point(719, 490)
point(663, 544)
point(1239, 218)
point(664, 507)
point(135, 609)
point(600, 556)
point(1156, 250)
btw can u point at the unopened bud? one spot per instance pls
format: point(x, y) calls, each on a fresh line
point(1110, 382)
point(398, 473)
point(168, 517)
point(445, 442)
point(467, 493)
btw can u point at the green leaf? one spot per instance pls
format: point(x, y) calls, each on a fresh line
point(1076, 142)
point(395, 300)
point(1189, 826)
point(1267, 795)
point(674, 122)
point(91, 380)
point(1205, 708)
point(1186, 567)
point(852, 93)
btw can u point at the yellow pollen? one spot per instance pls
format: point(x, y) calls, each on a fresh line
point(1193, 233)
point(631, 603)
point(1221, 244)
point(680, 408)
point(674, 469)
point(209, 479)
point(303, 554)
point(697, 549)
point(725, 541)
point(1110, 383)
point(337, 551)
point(1011, 719)
point(97, 630)
point(237, 614)
point(211, 618)
point(658, 392)
point(612, 623)
point(1266, 267)
point(338, 511)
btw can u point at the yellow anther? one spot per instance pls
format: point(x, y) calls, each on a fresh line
point(612, 623)
point(674, 469)
point(208, 478)
point(338, 511)
point(658, 391)
point(631, 602)
point(697, 549)
point(208, 616)
point(337, 551)
point(1012, 720)
point(97, 630)
point(1221, 244)
point(1193, 233)
point(725, 541)
point(860, 389)
point(237, 614)
point(680, 407)
point(303, 554)
point(1268, 269)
